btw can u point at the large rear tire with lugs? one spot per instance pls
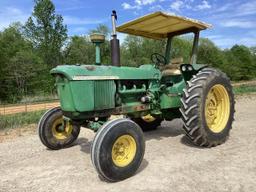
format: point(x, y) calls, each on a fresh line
point(208, 108)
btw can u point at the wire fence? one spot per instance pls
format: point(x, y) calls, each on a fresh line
point(27, 107)
point(244, 83)
point(30, 103)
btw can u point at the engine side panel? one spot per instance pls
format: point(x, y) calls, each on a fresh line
point(104, 94)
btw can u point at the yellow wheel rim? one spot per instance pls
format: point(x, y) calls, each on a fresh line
point(124, 150)
point(217, 108)
point(60, 132)
point(148, 118)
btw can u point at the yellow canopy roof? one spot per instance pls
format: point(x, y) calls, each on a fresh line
point(158, 25)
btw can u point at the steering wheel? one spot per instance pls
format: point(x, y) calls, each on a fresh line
point(158, 59)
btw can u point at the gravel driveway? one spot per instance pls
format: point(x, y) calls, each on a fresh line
point(171, 162)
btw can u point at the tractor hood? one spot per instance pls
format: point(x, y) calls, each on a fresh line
point(101, 72)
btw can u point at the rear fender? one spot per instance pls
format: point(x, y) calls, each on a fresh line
point(189, 70)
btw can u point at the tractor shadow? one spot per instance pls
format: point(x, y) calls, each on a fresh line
point(167, 129)
point(143, 166)
point(172, 128)
point(85, 145)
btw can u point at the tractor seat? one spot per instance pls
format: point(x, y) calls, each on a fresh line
point(172, 68)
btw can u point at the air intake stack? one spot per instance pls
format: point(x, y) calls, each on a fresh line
point(97, 39)
point(114, 42)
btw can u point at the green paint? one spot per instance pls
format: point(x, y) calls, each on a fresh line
point(75, 95)
point(89, 91)
point(134, 90)
point(97, 39)
point(171, 96)
point(95, 125)
point(97, 52)
point(104, 94)
point(142, 72)
point(86, 95)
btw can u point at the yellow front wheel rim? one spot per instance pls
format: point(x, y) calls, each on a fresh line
point(217, 108)
point(60, 132)
point(123, 150)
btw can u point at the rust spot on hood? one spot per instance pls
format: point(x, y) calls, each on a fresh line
point(90, 68)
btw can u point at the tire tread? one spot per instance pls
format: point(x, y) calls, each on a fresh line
point(190, 107)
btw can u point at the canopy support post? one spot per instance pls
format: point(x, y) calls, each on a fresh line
point(168, 49)
point(195, 48)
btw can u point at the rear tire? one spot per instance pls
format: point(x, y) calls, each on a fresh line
point(208, 108)
point(49, 130)
point(118, 149)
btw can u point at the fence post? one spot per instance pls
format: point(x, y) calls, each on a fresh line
point(26, 107)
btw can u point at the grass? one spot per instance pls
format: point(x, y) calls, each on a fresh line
point(39, 98)
point(19, 119)
point(244, 89)
point(31, 99)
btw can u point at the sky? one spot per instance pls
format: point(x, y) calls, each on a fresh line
point(234, 21)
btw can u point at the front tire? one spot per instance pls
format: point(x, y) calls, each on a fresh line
point(208, 108)
point(54, 133)
point(118, 149)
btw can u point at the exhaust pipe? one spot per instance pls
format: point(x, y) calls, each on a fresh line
point(114, 42)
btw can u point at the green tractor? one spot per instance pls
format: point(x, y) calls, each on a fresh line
point(143, 96)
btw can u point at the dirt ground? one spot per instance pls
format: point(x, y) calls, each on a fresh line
point(7, 110)
point(171, 162)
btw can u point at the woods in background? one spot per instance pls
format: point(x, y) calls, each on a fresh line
point(29, 51)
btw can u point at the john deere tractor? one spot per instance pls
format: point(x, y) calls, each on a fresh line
point(143, 96)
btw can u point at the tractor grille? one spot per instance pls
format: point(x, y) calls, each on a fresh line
point(104, 94)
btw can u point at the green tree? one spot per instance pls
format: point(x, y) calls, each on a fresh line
point(11, 41)
point(131, 51)
point(79, 50)
point(26, 69)
point(46, 31)
point(150, 46)
point(209, 53)
point(230, 66)
point(253, 50)
point(137, 50)
point(182, 47)
point(243, 62)
point(18, 63)
point(103, 29)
